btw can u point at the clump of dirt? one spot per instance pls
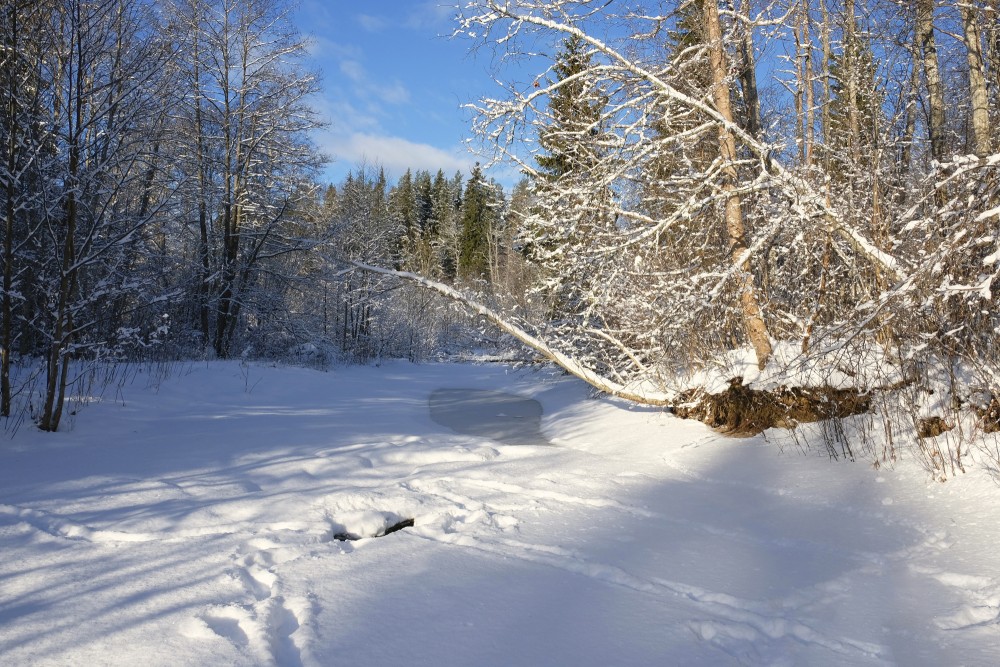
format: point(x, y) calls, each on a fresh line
point(743, 411)
point(989, 416)
point(931, 427)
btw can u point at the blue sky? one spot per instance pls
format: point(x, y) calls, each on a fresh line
point(393, 84)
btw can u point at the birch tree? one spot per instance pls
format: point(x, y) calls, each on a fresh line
point(705, 251)
point(22, 141)
point(247, 119)
point(936, 115)
point(643, 93)
point(103, 61)
point(979, 114)
point(735, 228)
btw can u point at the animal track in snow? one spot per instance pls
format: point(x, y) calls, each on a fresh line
point(228, 622)
point(64, 527)
point(733, 619)
point(980, 599)
point(274, 625)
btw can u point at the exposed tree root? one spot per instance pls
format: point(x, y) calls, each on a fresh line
point(744, 411)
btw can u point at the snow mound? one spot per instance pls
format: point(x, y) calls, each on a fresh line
point(837, 366)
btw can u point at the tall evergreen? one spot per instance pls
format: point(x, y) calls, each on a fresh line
point(423, 200)
point(569, 138)
point(570, 203)
point(479, 219)
point(677, 151)
point(444, 222)
point(855, 124)
point(402, 209)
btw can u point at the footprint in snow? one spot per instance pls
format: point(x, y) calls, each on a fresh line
point(272, 625)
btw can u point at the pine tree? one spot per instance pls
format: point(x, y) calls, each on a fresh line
point(444, 222)
point(479, 219)
point(855, 112)
point(677, 152)
point(574, 111)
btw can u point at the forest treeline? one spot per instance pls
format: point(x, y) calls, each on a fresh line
point(815, 183)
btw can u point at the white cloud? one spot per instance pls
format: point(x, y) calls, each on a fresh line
point(353, 70)
point(372, 23)
point(436, 14)
point(393, 92)
point(395, 154)
point(341, 113)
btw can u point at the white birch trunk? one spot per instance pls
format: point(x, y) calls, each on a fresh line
point(978, 94)
point(753, 321)
point(568, 364)
point(932, 73)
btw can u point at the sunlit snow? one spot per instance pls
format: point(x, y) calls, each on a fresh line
point(194, 520)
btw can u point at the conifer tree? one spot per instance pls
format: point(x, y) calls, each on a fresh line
point(402, 208)
point(479, 219)
point(569, 196)
point(423, 197)
point(679, 150)
point(855, 113)
point(422, 251)
point(574, 116)
point(444, 222)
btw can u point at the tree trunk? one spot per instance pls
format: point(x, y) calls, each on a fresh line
point(993, 41)
point(7, 314)
point(201, 156)
point(827, 52)
point(748, 76)
point(851, 61)
point(805, 112)
point(932, 73)
point(752, 319)
point(8, 241)
point(978, 94)
point(807, 81)
point(910, 126)
point(58, 359)
point(225, 325)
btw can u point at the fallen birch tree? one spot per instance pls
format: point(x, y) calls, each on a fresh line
point(565, 362)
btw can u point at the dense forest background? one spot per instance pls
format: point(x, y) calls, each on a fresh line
point(807, 184)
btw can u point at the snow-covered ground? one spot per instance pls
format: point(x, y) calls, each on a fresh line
point(194, 524)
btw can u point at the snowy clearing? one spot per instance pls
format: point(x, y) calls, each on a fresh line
point(195, 523)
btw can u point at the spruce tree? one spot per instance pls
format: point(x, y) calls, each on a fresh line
point(571, 201)
point(574, 110)
point(679, 152)
point(852, 148)
point(479, 219)
point(402, 208)
point(423, 200)
point(445, 233)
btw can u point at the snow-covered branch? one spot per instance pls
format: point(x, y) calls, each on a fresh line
point(564, 361)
